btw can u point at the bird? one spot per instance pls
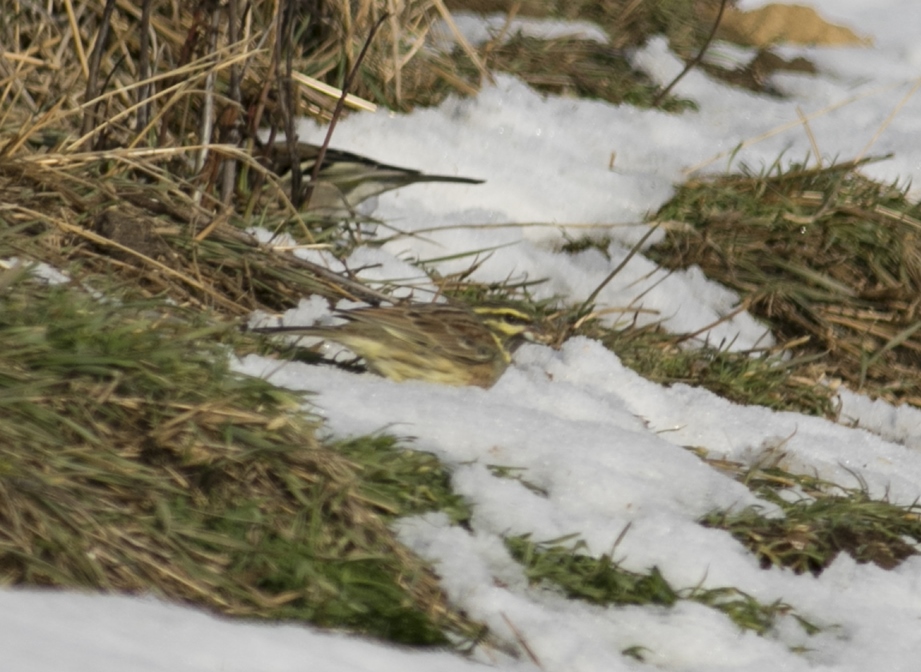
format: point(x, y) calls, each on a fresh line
point(345, 180)
point(435, 342)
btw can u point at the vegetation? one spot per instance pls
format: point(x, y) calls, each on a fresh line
point(133, 459)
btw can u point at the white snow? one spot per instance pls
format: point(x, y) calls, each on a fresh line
point(606, 447)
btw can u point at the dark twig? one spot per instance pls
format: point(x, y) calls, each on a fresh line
point(590, 301)
point(284, 45)
point(231, 131)
point(694, 61)
point(144, 68)
point(340, 106)
point(92, 81)
point(522, 641)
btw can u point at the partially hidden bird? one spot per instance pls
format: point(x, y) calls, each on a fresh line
point(344, 180)
point(435, 342)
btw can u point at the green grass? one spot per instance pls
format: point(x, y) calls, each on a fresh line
point(763, 379)
point(561, 565)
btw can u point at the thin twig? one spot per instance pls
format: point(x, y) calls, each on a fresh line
point(284, 44)
point(590, 301)
point(741, 308)
point(229, 168)
point(92, 79)
point(694, 61)
point(337, 112)
point(144, 67)
point(522, 641)
point(810, 135)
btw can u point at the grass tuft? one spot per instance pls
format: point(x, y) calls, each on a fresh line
point(134, 460)
point(826, 256)
point(820, 521)
point(560, 565)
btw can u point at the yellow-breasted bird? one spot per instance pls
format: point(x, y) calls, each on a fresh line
point(345, 179)
point(435, 342)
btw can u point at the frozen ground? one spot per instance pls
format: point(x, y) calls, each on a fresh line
point(604, 444)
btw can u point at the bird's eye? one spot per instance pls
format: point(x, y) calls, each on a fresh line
point(515, 318)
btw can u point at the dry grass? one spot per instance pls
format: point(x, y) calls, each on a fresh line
point(572, 67)
point(152, 236)
point(151, 179)
point(589, 69)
